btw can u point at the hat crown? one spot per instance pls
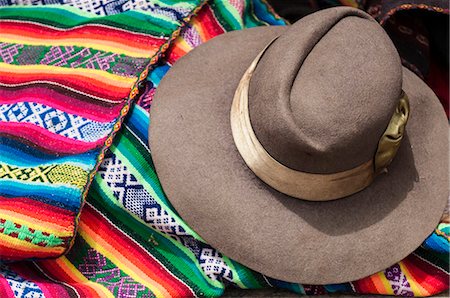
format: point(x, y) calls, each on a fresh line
point(324, 92)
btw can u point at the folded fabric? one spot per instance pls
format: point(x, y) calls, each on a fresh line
point(130, 240)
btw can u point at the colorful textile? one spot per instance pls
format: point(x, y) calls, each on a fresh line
point(132, 243)
point(67, 78)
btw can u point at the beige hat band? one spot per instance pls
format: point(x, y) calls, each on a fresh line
point(302, 185)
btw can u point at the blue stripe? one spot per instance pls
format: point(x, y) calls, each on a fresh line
point(138, 123)
point(57, 195)
point(262, 13)
point(157, 74)
point(14, 152)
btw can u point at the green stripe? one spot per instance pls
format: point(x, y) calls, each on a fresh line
point(119, 65)
point(162, 247)
point(178, 3)
point(129, 148)
point(248, 279)
point(155, 25)
point(227, 15)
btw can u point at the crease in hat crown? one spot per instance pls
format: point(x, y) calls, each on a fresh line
point(322, 166)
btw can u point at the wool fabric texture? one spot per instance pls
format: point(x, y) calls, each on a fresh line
point(130, 241)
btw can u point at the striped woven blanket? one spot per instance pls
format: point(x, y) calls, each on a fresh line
point(82, 213)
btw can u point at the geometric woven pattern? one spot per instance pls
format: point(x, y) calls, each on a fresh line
point(213, 265)
point(64, 174)
point(55, 121)
point(67, 79)
point(398, 281)
point(135, 198)
point(71, 57)
point(99, 269)
point(33, 236)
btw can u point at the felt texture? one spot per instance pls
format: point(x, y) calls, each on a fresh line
point(290, 239)
point(338, 66)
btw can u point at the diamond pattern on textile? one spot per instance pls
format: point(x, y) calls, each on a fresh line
point(99, 269)
point(21, 287)
point(213, 264)
point(133, 196)
point(398, 281)
point(55, 121)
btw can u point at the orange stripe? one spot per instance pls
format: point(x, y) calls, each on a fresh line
point(62, 270)
point(93, 82)
point(137, 44)
point(14, 252)
point(28, 207)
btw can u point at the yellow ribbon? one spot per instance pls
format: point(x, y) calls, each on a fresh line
point(309, 186)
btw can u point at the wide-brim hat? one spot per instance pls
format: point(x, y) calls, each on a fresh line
point(315, 179)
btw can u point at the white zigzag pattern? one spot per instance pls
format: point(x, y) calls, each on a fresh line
point(133, 196)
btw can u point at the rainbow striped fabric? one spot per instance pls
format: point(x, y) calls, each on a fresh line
point(130, 242)
point(67, 78)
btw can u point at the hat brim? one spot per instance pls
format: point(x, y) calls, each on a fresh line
point(214, 191)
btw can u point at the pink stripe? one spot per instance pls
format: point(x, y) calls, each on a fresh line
point(47, 140)
point(62, 102)
point(5, 289)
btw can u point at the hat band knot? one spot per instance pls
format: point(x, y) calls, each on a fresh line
point(310, 186)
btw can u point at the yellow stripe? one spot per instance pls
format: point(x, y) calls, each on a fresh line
point(387, 286)
point(36, 224)
point(198, 26)
point(183, 45)
point(22, 245)
point(78, 277)
point(103, 45)
point(415, 286)
point(98, 243)
point(122, 82)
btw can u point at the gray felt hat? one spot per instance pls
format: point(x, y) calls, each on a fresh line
point(286, 149)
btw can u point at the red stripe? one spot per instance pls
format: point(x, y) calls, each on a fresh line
point(428, 276)
point(53, 269)
point(28, 207)
point(8, 253)
point(89, 85)
point(91, 109)
point(47, 140)
point(175, 53)
point(210, 25)
point(210, 28)
point(88, 31)
point(48, 287)
point(364, 285)
point(132, 252)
